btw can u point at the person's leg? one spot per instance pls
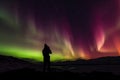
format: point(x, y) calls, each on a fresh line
point(48, 64)
point(44, 65)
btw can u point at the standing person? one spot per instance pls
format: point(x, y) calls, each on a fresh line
point(46, 51)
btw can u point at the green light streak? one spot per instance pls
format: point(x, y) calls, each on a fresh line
point(25, 53)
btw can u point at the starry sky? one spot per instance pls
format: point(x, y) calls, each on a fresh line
point(84, 29)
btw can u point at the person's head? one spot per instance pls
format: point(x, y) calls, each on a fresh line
point(45, 45)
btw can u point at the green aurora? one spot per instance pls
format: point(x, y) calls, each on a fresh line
point(25, 53)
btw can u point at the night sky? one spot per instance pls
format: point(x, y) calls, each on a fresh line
point(84, 29)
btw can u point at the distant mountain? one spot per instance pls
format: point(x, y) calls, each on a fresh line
point(97, 61)
point(9, 59)
point(106, 61)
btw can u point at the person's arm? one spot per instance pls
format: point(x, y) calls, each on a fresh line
point(50, 51)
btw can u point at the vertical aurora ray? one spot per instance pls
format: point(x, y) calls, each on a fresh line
point(100, 38)
point(98, 31)
point(83, 54)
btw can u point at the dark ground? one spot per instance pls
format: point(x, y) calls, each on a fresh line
point(30, 74)
point(98, 69)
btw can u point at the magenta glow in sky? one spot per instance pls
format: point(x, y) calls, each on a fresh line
point(76, 29)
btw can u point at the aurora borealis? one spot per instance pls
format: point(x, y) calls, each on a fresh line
point(84, 29)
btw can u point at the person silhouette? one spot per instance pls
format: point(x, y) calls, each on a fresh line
point(46, 51)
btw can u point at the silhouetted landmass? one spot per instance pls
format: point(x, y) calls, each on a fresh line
point(27, 73)
point(102, 68)
point(98, 61)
